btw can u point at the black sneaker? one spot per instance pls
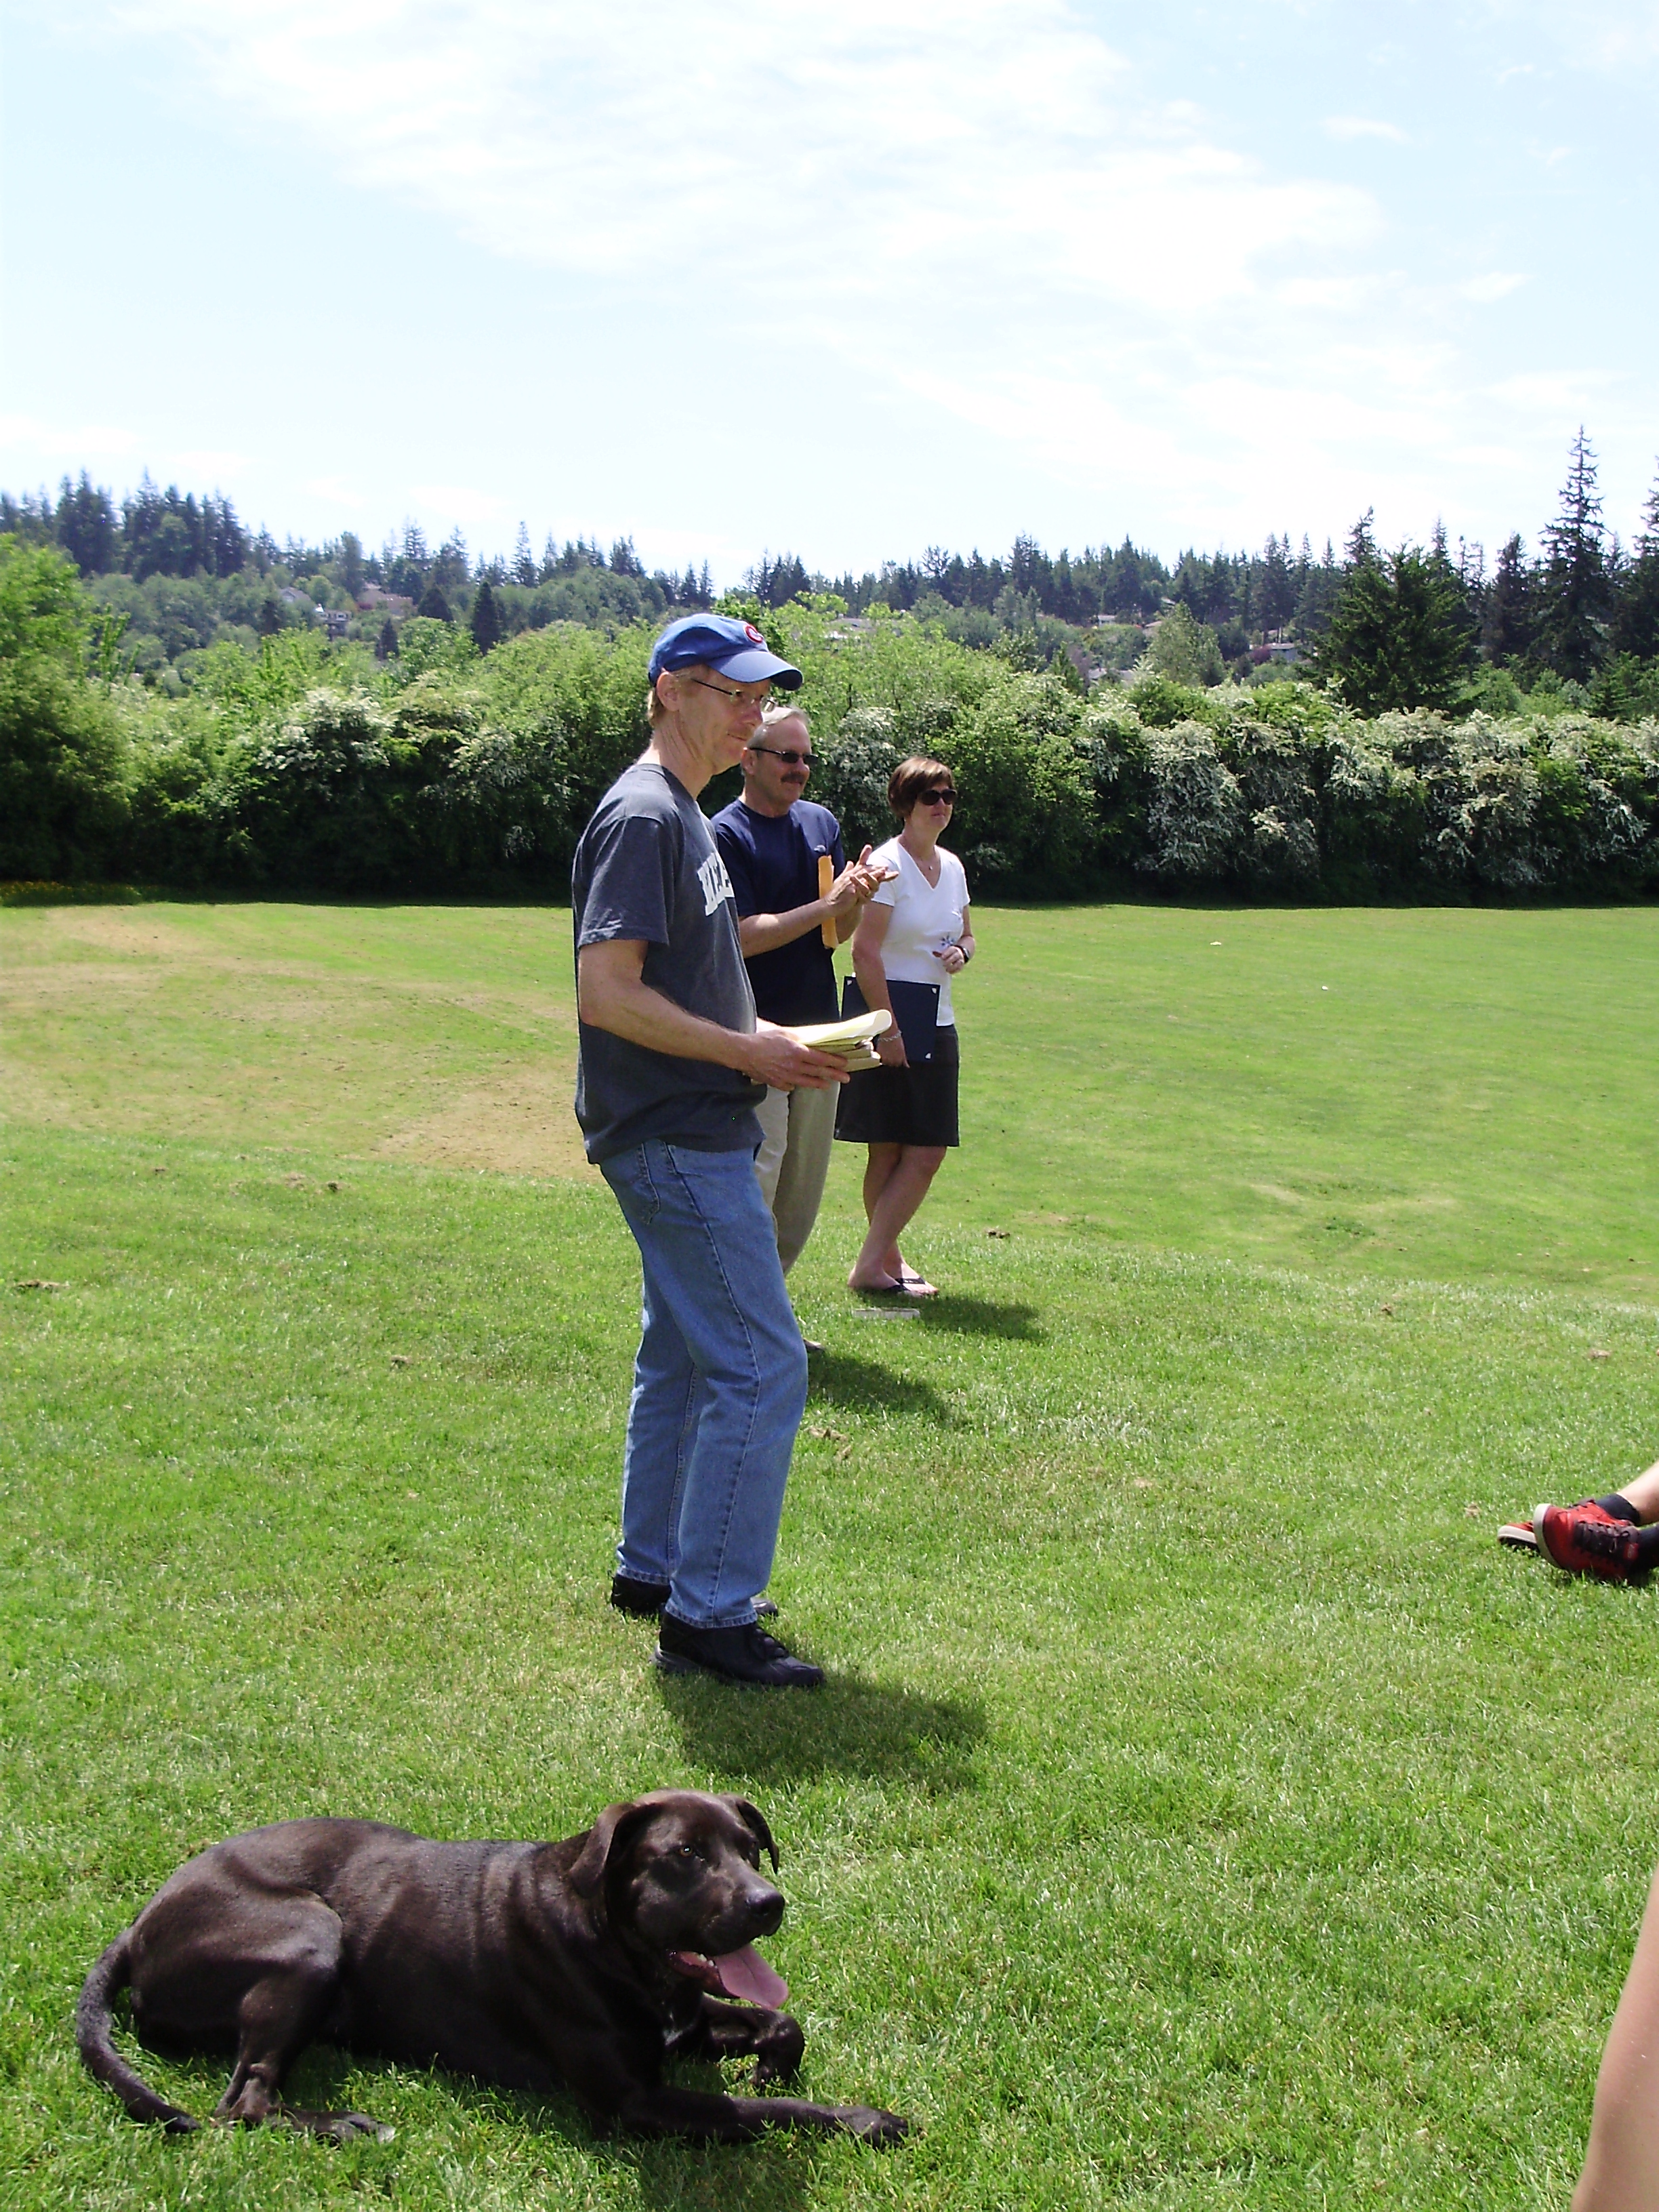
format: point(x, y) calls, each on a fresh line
point(646, 1600)
point(745, 1654)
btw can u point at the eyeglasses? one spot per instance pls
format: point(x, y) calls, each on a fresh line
point(737, 692)
point(789, 759)
point(938, 799)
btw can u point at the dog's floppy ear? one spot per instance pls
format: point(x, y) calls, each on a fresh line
point(608, 1834)
point(755, 1821)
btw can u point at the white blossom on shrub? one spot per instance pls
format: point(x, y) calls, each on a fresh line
point(1196, 810)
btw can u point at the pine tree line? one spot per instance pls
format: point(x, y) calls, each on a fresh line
point(1399, 628)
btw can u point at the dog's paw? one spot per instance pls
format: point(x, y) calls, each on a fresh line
point(352, 2127)
point(337, 2127)
point(871, 2126)
point(778, 2052)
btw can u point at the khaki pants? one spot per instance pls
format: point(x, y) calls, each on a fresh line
point(797, 1130)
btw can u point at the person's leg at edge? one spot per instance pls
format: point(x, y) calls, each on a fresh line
point(1641, 1496)
point(1578, 1537)
point(893, 1191)
point(713, 1267)
point(881, 1162)
point(666, 1404)
point(772, 1115)
point(797, 1189)
point(1621, 2163)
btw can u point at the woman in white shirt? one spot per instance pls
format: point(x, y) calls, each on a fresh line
point(914, 929)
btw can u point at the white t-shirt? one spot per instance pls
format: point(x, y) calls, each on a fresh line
point(927, 917)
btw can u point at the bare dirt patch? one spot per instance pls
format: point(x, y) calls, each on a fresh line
point(519, 1122)
point(419, 1041)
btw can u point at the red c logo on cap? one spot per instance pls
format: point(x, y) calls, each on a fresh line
point(753, 635)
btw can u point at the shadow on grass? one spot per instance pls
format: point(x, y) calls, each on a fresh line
point(848, 1727)
point(774, 2171)
point(954, 1317)
point(864, 1386)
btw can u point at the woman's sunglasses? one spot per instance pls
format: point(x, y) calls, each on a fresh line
point(942, 795)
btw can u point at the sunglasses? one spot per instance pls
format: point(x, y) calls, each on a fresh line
point(789, 759)
point(939, 797)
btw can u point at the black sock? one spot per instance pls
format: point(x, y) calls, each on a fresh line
point(1647, 1547)
point(1621, 1508)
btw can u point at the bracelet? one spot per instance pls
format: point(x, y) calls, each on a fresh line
point(966, 955)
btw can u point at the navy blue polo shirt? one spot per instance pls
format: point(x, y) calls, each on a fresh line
point(773, 862)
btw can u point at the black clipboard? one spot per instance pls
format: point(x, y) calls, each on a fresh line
point(915, 1009)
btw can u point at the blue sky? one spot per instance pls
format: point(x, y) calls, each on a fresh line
point(848, 281)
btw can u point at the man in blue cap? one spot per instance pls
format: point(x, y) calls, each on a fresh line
point(672, 1063)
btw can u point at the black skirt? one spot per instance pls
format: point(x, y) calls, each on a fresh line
point(904, 1105)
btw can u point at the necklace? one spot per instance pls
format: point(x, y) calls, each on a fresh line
point(929, 868)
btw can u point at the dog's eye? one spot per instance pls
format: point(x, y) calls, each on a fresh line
point(688, 1851)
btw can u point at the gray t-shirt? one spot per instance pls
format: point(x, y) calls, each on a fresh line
point(647, 869)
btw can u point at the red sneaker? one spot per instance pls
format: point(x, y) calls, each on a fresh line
point(1584, 1539)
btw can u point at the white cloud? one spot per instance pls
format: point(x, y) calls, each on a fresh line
point(1554, 398)
point(459, 504)
point(42, 441)
point(988, 210)
point(850, 153)
point(1346, 127)
point(206, 464)
point(336, 489)
point(1484, 290)
point(981, 204)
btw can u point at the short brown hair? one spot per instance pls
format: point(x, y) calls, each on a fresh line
point(911, 778)
point(655, 711)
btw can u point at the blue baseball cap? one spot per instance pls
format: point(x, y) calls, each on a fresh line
point(737, 648)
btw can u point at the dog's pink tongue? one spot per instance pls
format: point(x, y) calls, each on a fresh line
point(745, 1975)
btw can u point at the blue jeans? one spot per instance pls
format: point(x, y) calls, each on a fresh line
point(719, 1383)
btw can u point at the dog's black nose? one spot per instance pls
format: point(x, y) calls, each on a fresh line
point(764, 1909)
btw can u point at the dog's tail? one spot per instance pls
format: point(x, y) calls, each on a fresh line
point(92, 2032)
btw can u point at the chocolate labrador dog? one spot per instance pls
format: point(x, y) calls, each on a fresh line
point(585, 1964)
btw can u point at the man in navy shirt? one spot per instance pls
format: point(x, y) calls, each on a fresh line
point(772, 840)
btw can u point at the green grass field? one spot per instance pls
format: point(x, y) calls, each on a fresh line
point(1203, 1811)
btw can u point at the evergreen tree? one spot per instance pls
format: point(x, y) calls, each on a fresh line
point(1575, 594)
point(524, 560)
point(1506, 630)
point(1276, 593)
point(1361, 548)
point(1398, 634)
point(85, 526)
point(450, 569)
point(385, 646)
point(1635, 627)
point(352, 562)
point(486, 618)
point(433, 604)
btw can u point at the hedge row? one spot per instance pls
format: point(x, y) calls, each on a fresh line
point(310, 770)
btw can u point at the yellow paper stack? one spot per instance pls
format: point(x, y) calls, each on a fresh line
point(850, 1040)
